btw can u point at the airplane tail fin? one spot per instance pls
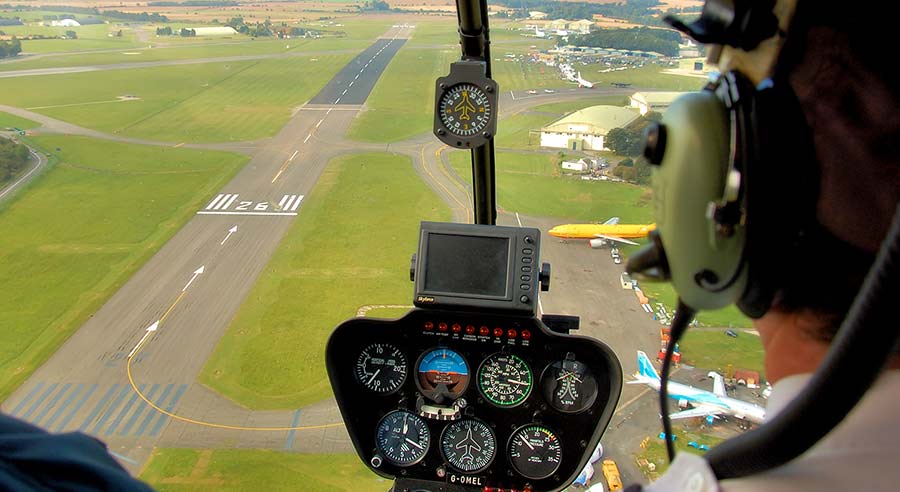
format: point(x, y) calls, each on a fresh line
point(718, 383)
point(645, 367)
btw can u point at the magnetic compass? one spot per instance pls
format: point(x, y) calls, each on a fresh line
point(465, 106)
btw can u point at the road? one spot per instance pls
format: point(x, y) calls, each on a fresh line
point(179, 304)
point(38, 162)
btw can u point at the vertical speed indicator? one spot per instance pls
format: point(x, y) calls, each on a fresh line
point(465, 110)
point(381, 368)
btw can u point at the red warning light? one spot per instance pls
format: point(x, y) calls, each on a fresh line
point(442, 326)
point(457, 328)
point(484, 331)
point(498, 332)
point(511, 333)
point(526, 335)
point(429, 325)
point(470, 330)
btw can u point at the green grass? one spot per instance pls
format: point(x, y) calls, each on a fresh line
point(402, 103)
point(726, 317)
point(319, 278)
point(252, 469)
point(516, 131)
point(193, 103)
point(12, 121)
point(656, 449)
point(650, 76)
point(584, 102)
point(521, 177)
point(713, 350)
point(82, 229)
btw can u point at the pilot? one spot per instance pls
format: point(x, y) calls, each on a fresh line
point(833, 56)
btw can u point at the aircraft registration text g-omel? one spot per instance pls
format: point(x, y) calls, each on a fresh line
point(466, 266)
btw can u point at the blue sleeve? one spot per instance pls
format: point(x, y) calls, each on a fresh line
point(33, 459)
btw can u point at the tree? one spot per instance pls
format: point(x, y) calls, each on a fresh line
point(71, 34)
point(13, 157)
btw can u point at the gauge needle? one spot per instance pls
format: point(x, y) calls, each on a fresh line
point(514, 381)
point(528, 444)
point(413, 443)
point(373, 377)
point(405, 424)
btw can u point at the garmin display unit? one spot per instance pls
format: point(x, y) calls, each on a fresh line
point(480, 267)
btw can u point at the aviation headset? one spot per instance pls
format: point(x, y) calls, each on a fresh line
point(734, 172)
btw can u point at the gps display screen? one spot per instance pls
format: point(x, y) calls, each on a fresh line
point(467, 265)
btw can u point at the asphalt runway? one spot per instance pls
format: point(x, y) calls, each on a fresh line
point(354, 83)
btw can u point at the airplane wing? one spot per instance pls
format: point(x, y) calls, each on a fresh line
point(612, 221)
point(615, 239)
point(694, 412)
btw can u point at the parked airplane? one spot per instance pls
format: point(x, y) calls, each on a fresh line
point(583, 83)
point(704, 403)
point(604, 234)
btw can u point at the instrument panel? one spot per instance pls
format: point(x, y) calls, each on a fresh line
point(481, 400)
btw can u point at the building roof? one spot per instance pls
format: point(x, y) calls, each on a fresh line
point(214, 31)
point(660, 98)
point(595, 120)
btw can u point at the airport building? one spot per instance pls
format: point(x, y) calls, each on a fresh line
point(586, 129)
point(214, 31)
point(653, 101)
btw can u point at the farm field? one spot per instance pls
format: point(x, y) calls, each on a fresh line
point(317, 279)
point(77, 229)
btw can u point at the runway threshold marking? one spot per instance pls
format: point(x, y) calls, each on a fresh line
point(152, 329)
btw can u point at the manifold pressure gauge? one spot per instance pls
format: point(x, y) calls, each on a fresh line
point(465, 113)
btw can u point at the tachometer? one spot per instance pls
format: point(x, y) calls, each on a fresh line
point(469, 445)
point(535, 451)
point(381, 368)
point(402, 437)
point(569, 386)
point(505, 379)
point(442, 373)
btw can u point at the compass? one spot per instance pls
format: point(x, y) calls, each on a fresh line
point(465, 106)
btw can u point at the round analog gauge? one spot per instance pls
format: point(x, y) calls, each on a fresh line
point(469, 445)
point(535, 451)
point(465, 109)
point(442, 373)
point(402, 437)
point(569, 386)
point(381, 368)
point(505, 379)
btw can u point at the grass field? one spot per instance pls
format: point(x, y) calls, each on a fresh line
point(656, 448)
point(83, 229)
point(712, 349)
point(650, 76)
point(12, 121)
point(523, 176)
point(318, 278)
point(249, 469)
point(726, 317)
point(402, 103)
point(191, 103)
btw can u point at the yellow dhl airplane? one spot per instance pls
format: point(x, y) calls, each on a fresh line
point(604, 234)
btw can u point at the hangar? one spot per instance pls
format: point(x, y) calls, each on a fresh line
point(653, 101)
point(586, 129)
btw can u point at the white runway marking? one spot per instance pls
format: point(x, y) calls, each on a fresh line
point(222, 201)
point(307, 138)
point(202, 212)
point(294, 154)
point(287, 202)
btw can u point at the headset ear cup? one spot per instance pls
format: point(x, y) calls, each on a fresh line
point(780, 188)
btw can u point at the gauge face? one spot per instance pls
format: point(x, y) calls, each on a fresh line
point(535, 451)
point(469, 445)
point(381, 368)
point(465, 110)
point(402, 437)
point(442, 373)
point(569, 386)
point(505, 379)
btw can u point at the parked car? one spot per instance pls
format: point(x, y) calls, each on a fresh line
point(532, 91)
point(549, 91)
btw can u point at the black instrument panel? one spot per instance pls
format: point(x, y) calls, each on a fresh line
point(472, 399)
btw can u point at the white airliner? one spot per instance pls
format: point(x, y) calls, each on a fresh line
point(704, 403)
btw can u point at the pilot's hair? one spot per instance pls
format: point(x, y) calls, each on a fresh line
point(836, 60)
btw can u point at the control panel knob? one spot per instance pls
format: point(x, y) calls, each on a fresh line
point(545, 277)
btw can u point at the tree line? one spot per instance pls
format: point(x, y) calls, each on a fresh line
point(629, 142)
point(638, 11)
point(13, 158)
point(637, 38)
point(115, 14)
point(10, 48)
